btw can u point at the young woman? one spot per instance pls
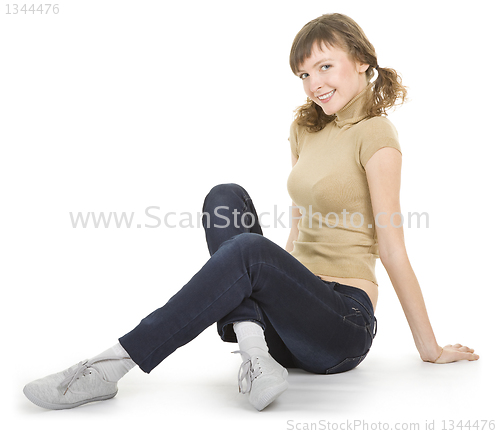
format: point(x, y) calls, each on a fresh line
point(312, 305)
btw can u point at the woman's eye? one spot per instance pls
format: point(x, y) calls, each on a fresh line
point(303, 76)
point(325, 67)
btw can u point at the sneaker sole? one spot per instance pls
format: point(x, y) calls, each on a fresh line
point(59, 406)
point(271, 394)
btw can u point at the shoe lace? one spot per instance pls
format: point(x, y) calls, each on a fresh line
point(249, 371)
point(73, 374)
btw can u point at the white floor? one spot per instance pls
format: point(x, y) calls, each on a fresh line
point(195, 390)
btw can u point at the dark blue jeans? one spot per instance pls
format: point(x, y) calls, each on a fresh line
point(321, 327)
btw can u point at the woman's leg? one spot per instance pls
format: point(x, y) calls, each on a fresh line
point(327, 327)
point(228, 210)
point(321, 324)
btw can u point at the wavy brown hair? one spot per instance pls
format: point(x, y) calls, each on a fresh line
point(340, 31)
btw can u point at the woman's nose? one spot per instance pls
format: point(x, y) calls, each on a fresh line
point(315, 84)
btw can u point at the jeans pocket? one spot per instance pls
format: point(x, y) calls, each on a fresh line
point(346, 365)
point(356, 318)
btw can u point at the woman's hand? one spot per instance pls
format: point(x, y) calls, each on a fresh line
point(457, 352)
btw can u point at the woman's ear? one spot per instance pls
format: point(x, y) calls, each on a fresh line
point(362, 67)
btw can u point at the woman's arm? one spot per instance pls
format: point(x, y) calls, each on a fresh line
point(383, 172)
point(296, 215)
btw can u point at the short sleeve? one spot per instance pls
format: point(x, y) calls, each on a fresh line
point(378, 132)
point(294, 139)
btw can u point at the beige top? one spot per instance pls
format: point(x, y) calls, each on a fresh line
point(337, 234)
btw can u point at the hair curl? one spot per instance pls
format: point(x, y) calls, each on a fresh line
point(341, 31)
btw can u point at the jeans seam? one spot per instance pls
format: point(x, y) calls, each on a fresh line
point(367, 326)
point(257, 310)
point(347, 321)
point(361, 357)
point(208, 306)
point(245, 201)
point(180, 329)
point(246, 207)
point(315, 297)
point(329, 308)
point(360, 303)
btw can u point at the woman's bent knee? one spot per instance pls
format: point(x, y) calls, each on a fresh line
point(223, 190)
point(252, 243)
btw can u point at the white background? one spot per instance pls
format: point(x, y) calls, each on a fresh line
point(120, 105)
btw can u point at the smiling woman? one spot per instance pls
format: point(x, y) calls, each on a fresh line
point(331, 79)
point(346, 154)
point(311, 305)
point(332, 54)
point(335, 61)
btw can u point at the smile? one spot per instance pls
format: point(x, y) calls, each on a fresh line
point(326, 96)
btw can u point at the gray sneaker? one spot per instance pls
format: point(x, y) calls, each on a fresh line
point(80, 384)
point(265, 379)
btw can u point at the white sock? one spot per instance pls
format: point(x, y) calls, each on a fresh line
point(114, 369)
point(250, 338)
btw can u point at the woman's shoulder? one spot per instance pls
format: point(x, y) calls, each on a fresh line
point(374, 134)
point(297, 130)
point(377, 126)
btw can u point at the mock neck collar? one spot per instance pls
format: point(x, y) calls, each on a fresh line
point(354, 111)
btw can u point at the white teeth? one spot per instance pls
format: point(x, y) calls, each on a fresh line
point(327, 95)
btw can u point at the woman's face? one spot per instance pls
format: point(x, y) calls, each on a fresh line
point(331, 79)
